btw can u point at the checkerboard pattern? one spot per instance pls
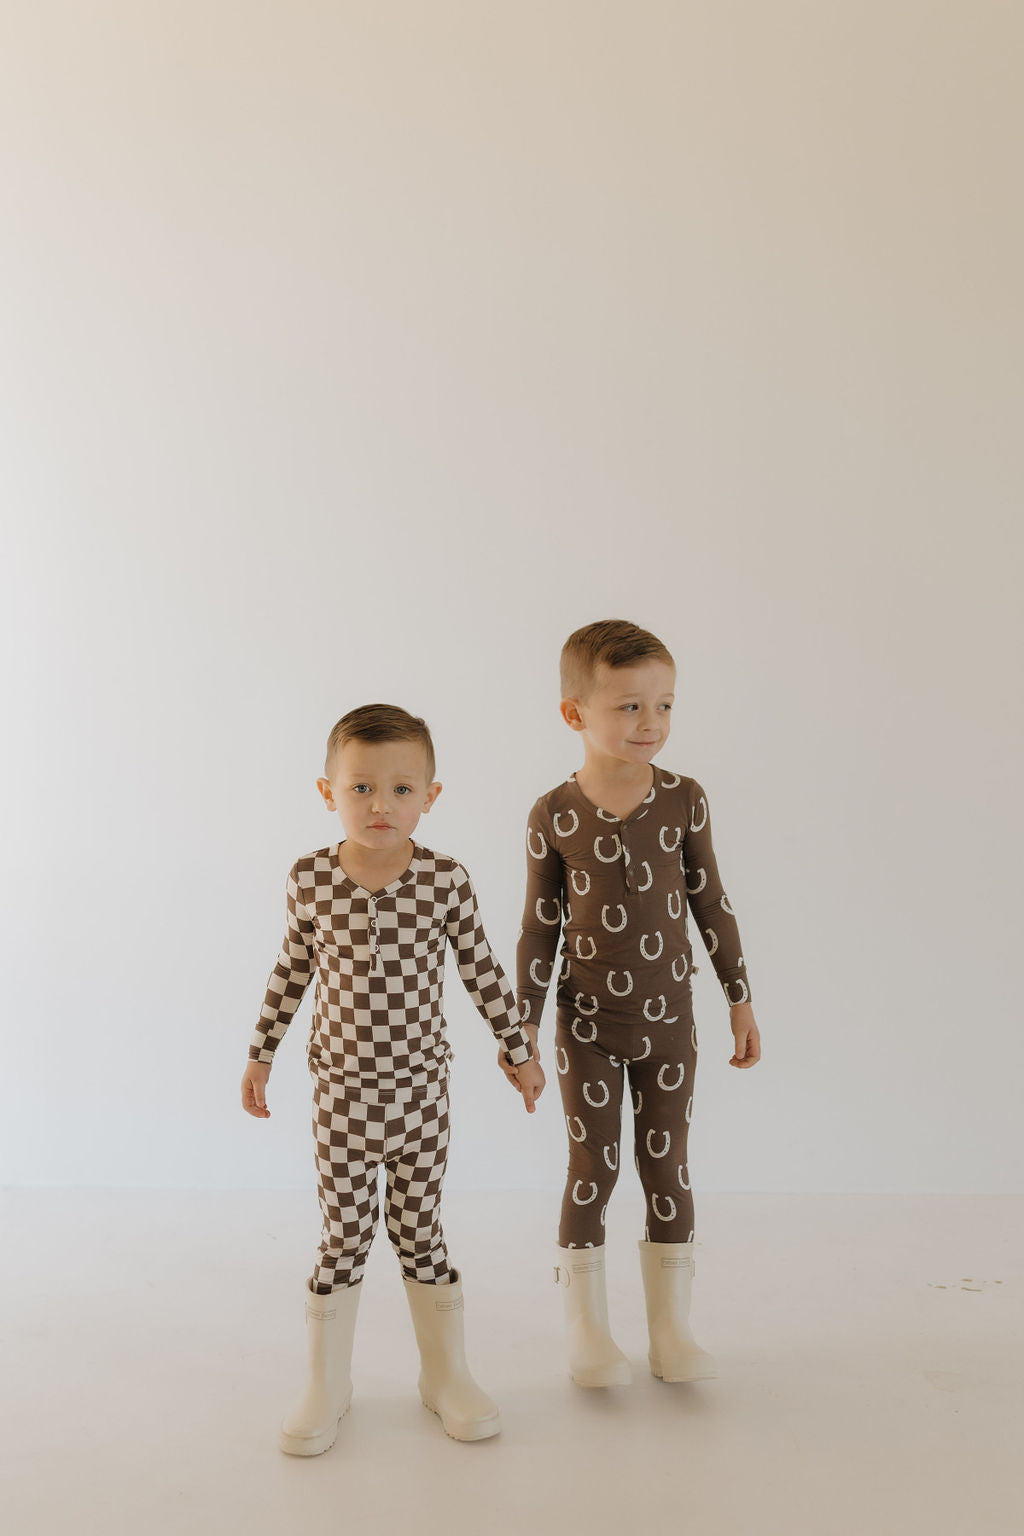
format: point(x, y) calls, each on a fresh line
point(354, 1140)
point(378, 1021)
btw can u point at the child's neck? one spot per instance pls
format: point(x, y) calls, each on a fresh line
point(613, 785)
point(373, 868)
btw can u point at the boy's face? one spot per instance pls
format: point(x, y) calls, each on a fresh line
point(380, 790)
point(627, 711)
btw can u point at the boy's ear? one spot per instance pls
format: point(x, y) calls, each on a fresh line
point(324, 786)
point(433, 790)
point(570, 709)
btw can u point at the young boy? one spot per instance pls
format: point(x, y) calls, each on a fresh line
point(615, 854)
point(369, 918)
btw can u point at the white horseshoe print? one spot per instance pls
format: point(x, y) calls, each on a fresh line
point(564, 972)
point(739, 982)
point(580, 890)
point(583, 1039)
point(638, 1104)
point(650, 877)
point(596, 1103)
point(677, 898)
point(693, 1034)
point(671, 1087)
point(612, 1162)
point(714, 940)
point(669, 1201)
point(552, 922)
point(607, 816)
point(674, 844)
point(568, 914)
point(691, 890)
point(657, 952)
point(524, 1009)
point(652, 1018)
point(668, 1142)
point(590, 1198)
point(682, 1182)
point(533, 972)
point(607, 858)
point(646, 1050)
point(583, 1130)
point(675, 963)
point(689, 1108)
point(626, 990)
point(580, 1008)
point(565, 1057)
point(724, 904)
point(529, 844)
point(613, 927)
point(650, 794)
point(670, 782)
point(566, 831)
point(613, 1061)
point(695, 825)
point(604, 1212)
point(580, 941)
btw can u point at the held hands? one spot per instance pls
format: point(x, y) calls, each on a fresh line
point(527, 1079)
point(254, 1089)
point(746, 1036)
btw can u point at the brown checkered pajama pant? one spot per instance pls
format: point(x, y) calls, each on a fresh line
point(593, 1061)
point(353, 1141)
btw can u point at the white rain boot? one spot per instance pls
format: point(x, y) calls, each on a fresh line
point(312, 1425)
point(595, 1360)
point(445, 1384)
point(668, 1279)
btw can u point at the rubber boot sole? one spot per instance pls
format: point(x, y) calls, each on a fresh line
point(312, 1445)
point(699, 1371)
point(482, 1429)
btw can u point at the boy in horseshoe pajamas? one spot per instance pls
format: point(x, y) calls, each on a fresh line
point(614, 863)
point(370, 920)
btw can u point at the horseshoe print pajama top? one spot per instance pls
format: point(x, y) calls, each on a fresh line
point(617, 890)
point(377, 1048)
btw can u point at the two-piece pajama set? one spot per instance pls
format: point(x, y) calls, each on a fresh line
point(377, 1048)
point(617, 889)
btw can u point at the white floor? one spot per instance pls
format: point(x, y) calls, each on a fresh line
point(871, 1353)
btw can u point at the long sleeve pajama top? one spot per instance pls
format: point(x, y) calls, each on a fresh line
point(378, 1028)
point(617, 891)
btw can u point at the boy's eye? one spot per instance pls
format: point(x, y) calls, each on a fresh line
point(628, 707)
point(666, 707)
point(402, 789)
point(360, 788)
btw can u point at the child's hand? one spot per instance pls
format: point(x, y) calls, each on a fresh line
point(254, 1089)
point(504, 1063)
point(745, 1034)
point(530, 1082)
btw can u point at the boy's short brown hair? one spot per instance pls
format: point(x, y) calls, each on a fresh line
point(611, 642)
point(380, 722)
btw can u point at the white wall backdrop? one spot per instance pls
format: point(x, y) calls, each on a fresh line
point(362, 351)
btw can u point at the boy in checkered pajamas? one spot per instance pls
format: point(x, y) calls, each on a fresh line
point(370, 918)
point(615, 856)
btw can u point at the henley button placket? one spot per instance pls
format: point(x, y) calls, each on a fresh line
point(374, 937)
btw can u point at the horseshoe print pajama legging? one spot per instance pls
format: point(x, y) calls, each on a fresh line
point(658, 1061)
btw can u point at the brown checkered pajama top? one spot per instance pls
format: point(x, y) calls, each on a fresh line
point(378, 1026)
